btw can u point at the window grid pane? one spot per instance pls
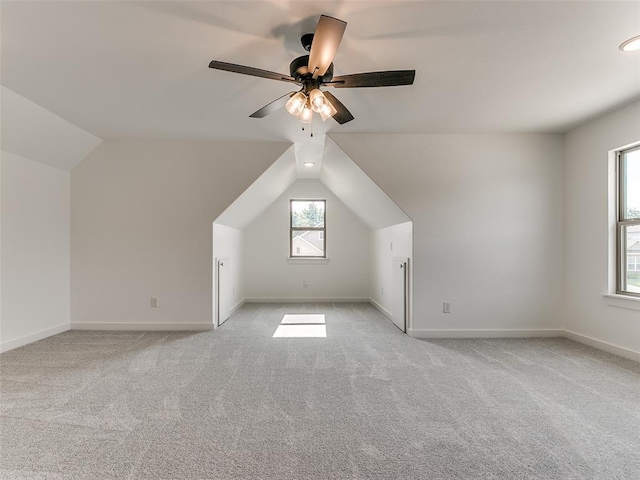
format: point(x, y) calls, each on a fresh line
point(631, 253)
point(629, 221)
point(306, 243)
point(307, 228)
point(630, 185)
point(307, 213)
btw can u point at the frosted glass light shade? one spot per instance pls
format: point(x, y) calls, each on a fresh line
point(307, 114)
point(327, 111)
point(296, 104)
point(317, 99)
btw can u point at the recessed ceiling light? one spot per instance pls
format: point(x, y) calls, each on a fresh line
point(308, 164)
point(631, 45)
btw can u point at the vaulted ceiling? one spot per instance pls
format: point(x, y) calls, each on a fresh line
point(140, 69)
point(338, 173)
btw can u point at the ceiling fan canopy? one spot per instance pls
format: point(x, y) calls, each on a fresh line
point(315, 70)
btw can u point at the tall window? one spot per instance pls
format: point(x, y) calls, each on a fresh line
point(629, 221)
point(307, 228)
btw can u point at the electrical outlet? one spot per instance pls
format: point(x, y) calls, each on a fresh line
point(446, 307)
point(392, 246)
point(382, 291)
point(305, 284)
point(154, 302)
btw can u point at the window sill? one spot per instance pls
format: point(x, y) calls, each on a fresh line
point(622, 301)
point(307, 261)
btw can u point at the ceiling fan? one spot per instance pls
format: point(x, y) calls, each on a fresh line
point(316, 70)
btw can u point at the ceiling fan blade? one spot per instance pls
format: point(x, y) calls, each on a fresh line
point(254, 72)
point(343, 115)
point(326, 41)
point(277, 104)
point(390, 78)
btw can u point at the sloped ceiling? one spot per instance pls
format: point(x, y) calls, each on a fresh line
point(262, 193)
point(140, 69)
point(30, 131)
point(357, 191)
point(337, 172)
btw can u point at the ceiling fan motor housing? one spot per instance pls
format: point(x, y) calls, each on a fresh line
point(299, 70)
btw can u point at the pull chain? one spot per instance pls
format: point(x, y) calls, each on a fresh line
point(310, 129)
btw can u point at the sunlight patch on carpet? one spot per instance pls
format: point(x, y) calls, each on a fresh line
point(300, 331)
point(301, 326)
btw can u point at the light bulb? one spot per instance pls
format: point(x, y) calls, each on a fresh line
point(631, 45)
point(317, 99)
point(296, 104)
point(327, 111)
point(307, 114)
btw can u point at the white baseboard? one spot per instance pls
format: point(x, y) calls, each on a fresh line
point(600, 345)
point(142, 326)
point(426, 333)
point(237, 306)
point(485, 333)
point(231, 312)
point(33, 337)
point(381, 309)
point(306, 300)
point(526, 333)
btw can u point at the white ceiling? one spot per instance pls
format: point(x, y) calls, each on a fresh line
point(32, 132)
point(124, 69)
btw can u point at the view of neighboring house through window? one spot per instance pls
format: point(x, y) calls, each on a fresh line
point(307, 234)
point(629, 221)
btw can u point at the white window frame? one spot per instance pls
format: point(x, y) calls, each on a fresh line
point(323, 229)
point(622, 263)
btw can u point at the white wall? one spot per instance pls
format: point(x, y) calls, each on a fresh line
point(141, 216)
point(35, 133)
point(380, 285)
point(487, 219)
point(35, 251)
point(227, 244)
point(589, 233)
point(2, 154)
point(268, 275)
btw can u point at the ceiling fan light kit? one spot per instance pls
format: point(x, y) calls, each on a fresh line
point(303, 106)
point(315, 70)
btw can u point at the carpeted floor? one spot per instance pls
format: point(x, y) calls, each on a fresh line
point(365, 402)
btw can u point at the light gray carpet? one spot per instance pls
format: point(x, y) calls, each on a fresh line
point(365, 402)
